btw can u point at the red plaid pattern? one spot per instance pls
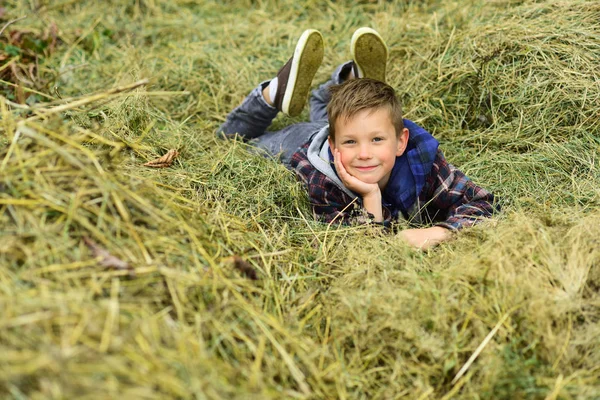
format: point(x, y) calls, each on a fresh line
point(450, 198)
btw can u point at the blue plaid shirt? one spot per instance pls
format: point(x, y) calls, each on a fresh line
point(423, 187)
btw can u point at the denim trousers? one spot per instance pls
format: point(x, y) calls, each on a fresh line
point(251, 119)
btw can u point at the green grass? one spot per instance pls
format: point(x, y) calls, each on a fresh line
point(510, 88)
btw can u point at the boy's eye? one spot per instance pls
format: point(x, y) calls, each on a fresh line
point(348, 142)
point(377, 139)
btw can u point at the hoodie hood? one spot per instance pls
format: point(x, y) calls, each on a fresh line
point(407, 177)
point(320, 157)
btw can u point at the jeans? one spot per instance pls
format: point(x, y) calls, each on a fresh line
point(252, 118)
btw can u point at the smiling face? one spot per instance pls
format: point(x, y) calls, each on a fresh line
point(368, 145)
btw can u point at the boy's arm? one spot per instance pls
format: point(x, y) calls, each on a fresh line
point(370, 192)
point(450, 192)
point(424, 238)
point(331, 204)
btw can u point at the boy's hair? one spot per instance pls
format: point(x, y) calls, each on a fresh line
point(356, 95)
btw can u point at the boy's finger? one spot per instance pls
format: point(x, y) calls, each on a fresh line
point(338, 162)
point(341, 168)
point(345, 175)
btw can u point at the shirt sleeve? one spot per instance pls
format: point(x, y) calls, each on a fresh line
point(329, 203)
point(451, 195)
point(332, 205)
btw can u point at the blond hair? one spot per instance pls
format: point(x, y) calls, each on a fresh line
point(356, 95)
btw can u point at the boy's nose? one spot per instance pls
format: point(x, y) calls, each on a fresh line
point(364, 152)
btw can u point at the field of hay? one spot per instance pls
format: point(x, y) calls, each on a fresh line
point(221, 285)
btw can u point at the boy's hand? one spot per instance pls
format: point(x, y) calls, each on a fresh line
point(352, 182)
point(425, 238)
point(370, 192)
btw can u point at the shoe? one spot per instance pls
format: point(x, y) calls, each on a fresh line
point(369, 53)
point(295, 77)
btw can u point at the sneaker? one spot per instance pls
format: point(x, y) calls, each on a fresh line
point(369, 53)
point(295, 77)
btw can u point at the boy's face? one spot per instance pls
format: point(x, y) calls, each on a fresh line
point(368, 145)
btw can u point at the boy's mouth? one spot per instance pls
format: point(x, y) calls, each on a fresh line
point(366, 168)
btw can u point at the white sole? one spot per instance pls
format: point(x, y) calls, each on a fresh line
point(300, 46)
point(357, 34)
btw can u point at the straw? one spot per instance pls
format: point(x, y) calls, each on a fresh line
point(238, 292)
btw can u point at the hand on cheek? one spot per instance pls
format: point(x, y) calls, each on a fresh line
point(351, 182)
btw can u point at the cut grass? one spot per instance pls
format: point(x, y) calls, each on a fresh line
point(512, 90)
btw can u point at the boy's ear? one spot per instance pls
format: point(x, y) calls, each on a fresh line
point(331, 144)
point(402, 142)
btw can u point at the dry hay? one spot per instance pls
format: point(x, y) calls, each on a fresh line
point(209, 279)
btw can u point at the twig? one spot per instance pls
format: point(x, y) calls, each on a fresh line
point(479, 349)
point(12, 21)
point(87, 100)
point(15, 105)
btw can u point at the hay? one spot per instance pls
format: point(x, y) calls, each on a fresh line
point(511, 89)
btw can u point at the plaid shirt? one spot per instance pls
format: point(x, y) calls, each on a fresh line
point(448, 198)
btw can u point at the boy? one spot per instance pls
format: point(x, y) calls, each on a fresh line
point(360, 160)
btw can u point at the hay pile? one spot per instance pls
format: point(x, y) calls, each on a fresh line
point(208, 279)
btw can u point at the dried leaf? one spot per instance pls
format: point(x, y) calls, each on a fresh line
point(107, 260)
point(164, 161)
point(27, 50)
point(245, 268)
